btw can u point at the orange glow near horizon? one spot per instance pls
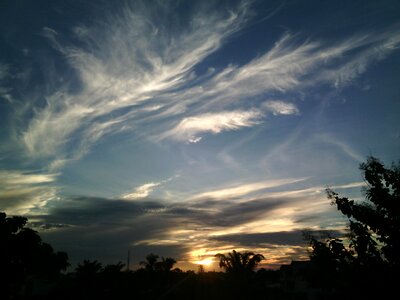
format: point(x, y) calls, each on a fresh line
point(204, 262)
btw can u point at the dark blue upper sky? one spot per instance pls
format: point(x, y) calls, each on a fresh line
point(192, 127)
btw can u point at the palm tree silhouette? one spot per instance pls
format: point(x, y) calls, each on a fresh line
point(150, 262)
point(88, 268)
point(239, 263)
point(165, 265)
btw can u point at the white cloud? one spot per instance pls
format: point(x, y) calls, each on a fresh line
point(315, 190)
point(145, 190)
point(245, 189)
point(141, 192)
point(189, 128)
point(370, 48)
point(126, 60)
point(277, 107)
point(14, 178)
point(291, 64)
point(20, 191)
point(135, 70)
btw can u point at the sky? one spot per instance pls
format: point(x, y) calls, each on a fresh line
point(190, 128)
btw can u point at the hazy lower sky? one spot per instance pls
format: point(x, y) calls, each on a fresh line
point(188, 128)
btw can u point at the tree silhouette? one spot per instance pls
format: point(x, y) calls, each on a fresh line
point(150, 262)
point(165, 265)
point(24, 258)
point(113, 268)
point(153, 264)
point(88, 269)
point(236, 262)
point(372, 255)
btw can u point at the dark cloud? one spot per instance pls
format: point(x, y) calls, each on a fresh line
point(88, 210)
point(287, 238)
point(104, 229)
point(306, 219)
point(243, 212)
point(96, 211)
point(226, 213)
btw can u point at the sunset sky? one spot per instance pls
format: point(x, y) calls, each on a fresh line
point(188, 128)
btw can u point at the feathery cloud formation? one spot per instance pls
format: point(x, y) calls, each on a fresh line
point(134, 72)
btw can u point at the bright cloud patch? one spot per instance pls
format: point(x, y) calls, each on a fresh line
point(189, 128)
point(130, 59)
point(141, 192)
point(21, 192)
point(134, 71)
point(280, 108)
point(245, 189)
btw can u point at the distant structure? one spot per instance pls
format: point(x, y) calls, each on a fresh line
point(128, 261)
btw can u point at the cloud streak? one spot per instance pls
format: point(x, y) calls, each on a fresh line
point(135, 71)
point(141, 192)
point(21, 192)
point(240, 190)
point(124, 63)
point(277, 107)
point(190, 128)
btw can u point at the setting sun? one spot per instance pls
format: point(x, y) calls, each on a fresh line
point(204, 262)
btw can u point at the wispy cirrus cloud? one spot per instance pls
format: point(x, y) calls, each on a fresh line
point(141, 192)
point(124, 62)
point(144, 190)
point(135, 71)
point(189, 129)
point(20, 192)
point(278, 107)
point(240, 190)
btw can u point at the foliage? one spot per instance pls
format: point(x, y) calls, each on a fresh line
point(165, 265)
point(153, 264)
point(237, 262)
point(374, 224)
point(150, 262)
point(88, 268)
point(24, 257)
point(373, 242)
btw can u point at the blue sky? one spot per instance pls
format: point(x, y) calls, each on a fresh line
point(188, 128)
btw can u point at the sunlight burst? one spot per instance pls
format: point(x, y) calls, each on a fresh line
point(204, 262)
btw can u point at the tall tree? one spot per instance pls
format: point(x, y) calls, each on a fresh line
point(88, 269)
point(237, 262)
point(370, 257)
point(374, 224)
point(165, 265)
point(150, 262)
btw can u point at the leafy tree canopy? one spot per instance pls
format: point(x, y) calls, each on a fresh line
point(374, 228)
point(237, 262)
point(24, 256)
